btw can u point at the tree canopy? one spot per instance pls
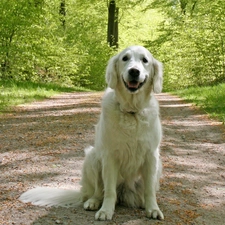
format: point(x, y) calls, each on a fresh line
point(191, 43)
point(65, 41)
point(36, 44)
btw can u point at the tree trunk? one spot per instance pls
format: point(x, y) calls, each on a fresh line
point(116, 30)
point(62, 13)
point(112, 34)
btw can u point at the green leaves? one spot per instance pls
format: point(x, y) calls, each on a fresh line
point(34, 45)
point(192, 42)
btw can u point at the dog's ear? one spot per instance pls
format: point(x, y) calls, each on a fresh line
point(158, 76)
point(111, 72)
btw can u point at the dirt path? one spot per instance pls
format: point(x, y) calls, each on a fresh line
point(42, 145)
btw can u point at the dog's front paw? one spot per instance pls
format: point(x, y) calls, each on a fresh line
point(155, 214)
point(104, 214)
point(92, 204)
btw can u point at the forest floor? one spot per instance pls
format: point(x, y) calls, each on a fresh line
point(41, 144)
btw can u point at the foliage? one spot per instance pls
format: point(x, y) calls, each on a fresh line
point(40, 42)
point(34, 46)
point(191, 43)
point(137, 23)
point(210, 99)
point(64, 41)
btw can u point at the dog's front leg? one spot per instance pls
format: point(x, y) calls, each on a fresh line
point(109, 176)
point(150, 174)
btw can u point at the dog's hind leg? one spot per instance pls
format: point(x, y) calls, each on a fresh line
point(95, 201)
point(92, 185)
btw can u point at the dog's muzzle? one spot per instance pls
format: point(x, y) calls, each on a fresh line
point(133, 84)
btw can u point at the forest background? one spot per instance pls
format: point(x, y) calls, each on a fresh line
point(65, 42)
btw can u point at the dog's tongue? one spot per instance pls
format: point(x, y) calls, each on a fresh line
point(133, 84)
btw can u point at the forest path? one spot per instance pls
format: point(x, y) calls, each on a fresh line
point(41, 144)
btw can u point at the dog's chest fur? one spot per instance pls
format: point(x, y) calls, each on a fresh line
point(129, 135)
point(133, 122)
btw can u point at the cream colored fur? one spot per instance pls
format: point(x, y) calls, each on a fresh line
point(124, 165)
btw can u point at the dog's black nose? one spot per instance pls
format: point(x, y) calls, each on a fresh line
point(134, 72)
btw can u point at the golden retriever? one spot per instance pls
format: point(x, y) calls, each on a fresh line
point(124, 165)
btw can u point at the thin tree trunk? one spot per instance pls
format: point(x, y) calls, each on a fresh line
point(62, 13)
point(116, 30)
point(112, 34)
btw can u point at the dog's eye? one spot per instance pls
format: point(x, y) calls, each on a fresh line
point(145, 60)
point(125, 58)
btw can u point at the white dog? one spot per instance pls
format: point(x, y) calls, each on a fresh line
point(124, 165)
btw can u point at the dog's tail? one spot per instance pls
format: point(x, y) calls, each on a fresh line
point(44, 196)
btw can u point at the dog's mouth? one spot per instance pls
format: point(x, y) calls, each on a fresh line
point(133, 85)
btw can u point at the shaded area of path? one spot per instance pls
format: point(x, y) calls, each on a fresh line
point(42, 144)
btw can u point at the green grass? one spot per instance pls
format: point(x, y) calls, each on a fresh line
point(14, 93)
point(210, 99)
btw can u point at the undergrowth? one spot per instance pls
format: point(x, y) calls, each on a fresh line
point(211, 99)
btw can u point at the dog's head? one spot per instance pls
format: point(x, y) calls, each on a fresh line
point(134, 68)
